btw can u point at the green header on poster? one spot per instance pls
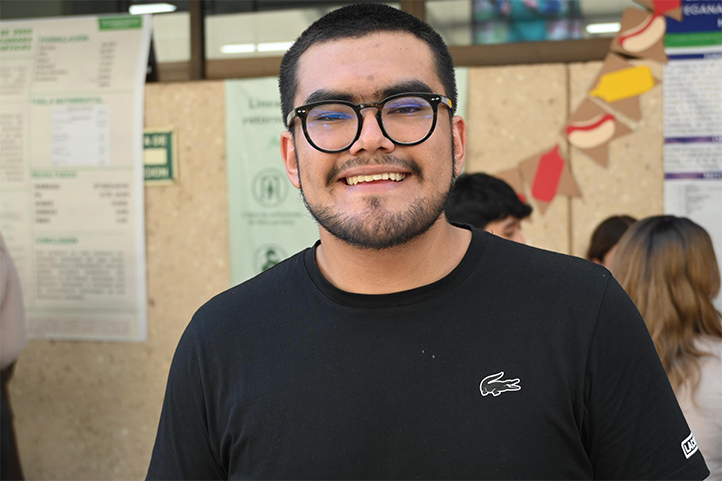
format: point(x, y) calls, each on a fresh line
point(120, 23)
point(695, 39)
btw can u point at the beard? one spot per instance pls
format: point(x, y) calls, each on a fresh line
point(377, 228)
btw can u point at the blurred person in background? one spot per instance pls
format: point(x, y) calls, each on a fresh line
point(12, 342)
point(489, 204)
point(528, 18)
point(605, 238)
point(668, 267)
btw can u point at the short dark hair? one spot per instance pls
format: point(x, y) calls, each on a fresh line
point(359, 20)
point(607, 234)
point(478, 199)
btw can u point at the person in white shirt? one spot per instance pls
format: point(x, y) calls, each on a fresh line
point(668, 267)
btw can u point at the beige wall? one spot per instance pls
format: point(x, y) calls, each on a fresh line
point(515, 112)
point(633, 181)
point(512, 114)
point(89, 410)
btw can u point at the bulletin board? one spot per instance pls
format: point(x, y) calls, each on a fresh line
point(91, 410)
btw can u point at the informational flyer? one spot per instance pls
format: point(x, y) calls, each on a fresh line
point(71, 172)
point(693, 118)
point(268, 221)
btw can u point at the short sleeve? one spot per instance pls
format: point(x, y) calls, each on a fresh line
point(183, 447)
point(633, 426)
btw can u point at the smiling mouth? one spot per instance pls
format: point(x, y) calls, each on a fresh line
point(395, 176)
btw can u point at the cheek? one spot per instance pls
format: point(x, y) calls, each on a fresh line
point(436, 161)
point(313, 172)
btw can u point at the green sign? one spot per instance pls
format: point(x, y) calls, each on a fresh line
point(120, 23)
point(160, 157)
point(693, 39)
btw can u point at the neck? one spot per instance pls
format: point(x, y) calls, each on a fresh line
point(424, 260)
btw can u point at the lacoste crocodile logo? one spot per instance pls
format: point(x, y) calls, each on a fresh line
point(494, 385)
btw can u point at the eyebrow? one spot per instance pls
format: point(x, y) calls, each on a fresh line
point(323, 95)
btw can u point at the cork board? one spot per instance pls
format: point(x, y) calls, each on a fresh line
point(633, 181)
point(513, 113)
point(90, 410)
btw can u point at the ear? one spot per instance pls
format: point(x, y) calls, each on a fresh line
point(458, 135)
point(288, 154)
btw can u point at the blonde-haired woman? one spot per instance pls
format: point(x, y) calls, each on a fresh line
point(668, 267)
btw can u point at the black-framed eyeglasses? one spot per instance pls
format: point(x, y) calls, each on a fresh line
point(333, 126)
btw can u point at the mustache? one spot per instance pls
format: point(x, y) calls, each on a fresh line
point(390, 160)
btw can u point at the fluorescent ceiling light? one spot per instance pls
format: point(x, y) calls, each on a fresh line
point(252, 47)
point(603, 27)
point(274, 46)
point(239, 48)
point(152, 8)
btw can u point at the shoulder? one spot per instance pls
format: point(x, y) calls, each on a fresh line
point(711, 366)
point(252, 298)
point(541, 259)
point(3, 249)
point(711, 346)
point(541, 271)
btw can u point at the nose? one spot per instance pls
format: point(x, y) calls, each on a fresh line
point(371, 137)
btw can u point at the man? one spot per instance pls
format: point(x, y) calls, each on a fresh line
point(401, 346)
point(488, 203)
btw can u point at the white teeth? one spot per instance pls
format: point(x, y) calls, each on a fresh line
point(370, 178)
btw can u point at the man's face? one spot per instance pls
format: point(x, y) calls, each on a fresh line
point(509, 228)
point(380, 213)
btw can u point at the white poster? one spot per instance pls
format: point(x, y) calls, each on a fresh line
point(268, 221)
point(693, 119)
point(71, 172)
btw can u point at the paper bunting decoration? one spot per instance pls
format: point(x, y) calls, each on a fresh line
point(641, 35)
point(514, 179)
point(591, 128)
point(548, 175)
point(670, 8)
point(620, 83)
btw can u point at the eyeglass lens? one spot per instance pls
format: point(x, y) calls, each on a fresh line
point(334, 126)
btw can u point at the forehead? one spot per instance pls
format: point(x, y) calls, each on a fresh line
point(363, 67)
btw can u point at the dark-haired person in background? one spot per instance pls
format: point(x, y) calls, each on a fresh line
point(401, 346)
point(605, 238)
point(489, 204)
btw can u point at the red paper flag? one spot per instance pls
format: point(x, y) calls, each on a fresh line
point(663, 6)
point(548, 174)
point(669, 8)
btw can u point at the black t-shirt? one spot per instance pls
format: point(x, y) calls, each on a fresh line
point(520, 363)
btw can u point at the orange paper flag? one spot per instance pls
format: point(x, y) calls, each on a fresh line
point(513, 178)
